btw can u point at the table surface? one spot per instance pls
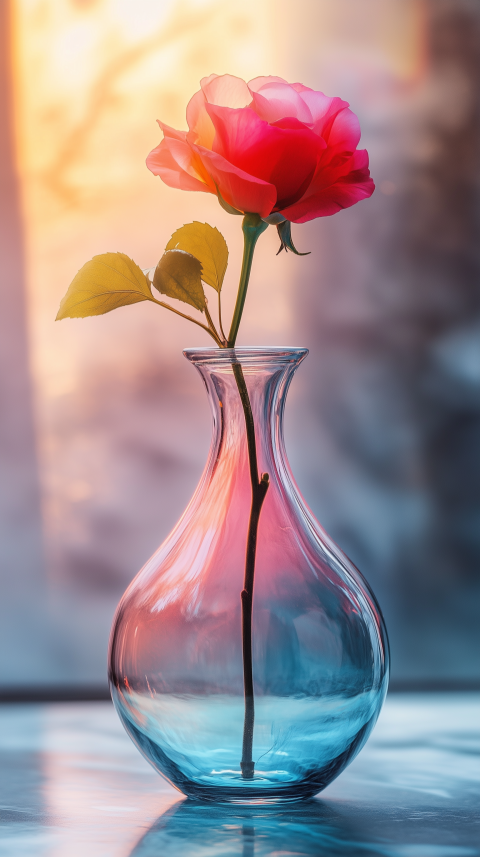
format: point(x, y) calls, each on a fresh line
point(72, 783)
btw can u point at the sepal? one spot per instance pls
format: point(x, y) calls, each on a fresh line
point(285, 234)
point(274, 219)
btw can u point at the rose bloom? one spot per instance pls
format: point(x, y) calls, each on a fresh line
point(277, 149)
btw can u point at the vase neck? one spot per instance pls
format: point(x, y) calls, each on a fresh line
point(267, 373)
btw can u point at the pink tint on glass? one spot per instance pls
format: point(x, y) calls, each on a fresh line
point(320, 657)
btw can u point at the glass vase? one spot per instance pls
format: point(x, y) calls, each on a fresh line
point(319, 645)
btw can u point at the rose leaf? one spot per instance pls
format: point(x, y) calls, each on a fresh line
point(208, 245)
point(179, 275)
point(106, 282)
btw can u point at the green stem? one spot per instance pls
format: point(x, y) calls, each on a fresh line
point(252, 227)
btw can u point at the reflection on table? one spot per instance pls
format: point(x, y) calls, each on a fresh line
point(71, 783)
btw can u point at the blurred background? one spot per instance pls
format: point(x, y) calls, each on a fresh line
point(104, 427)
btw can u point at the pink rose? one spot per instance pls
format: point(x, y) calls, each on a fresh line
point(277, 149)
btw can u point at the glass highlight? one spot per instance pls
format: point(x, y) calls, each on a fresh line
point(320, 650)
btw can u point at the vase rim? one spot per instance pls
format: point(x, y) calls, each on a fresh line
point(246, 354)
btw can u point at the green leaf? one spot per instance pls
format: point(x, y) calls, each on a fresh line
point(179, 275)
point(285, 234)
point(208, 245)
point(105, 283)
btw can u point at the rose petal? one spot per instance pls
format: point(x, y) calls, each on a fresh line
point(177, 165)
point(360, 161)
point(329, 201)
point(300, 87)
point(321, 201)
point(322, 107)
point(345, 131)
point(336, 162)
point(171, 132)
point(276, 100)
point(226, 91)
point(241, 190)
point(257, 82)
point(199, 122)
point(206, 80)
point(268, 152)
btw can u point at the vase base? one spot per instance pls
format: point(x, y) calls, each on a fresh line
point(249, 797)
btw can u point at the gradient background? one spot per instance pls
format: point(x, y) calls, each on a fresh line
point(104, 427)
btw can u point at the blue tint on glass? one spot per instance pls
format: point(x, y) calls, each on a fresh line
point(320, 652)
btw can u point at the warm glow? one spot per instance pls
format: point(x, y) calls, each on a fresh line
point(91, 78)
